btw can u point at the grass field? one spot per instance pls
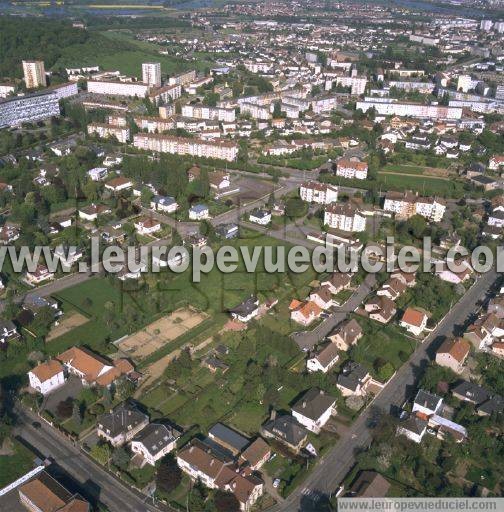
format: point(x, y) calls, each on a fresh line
point(15, 465)
point(422, 184)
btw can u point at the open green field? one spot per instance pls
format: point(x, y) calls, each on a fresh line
point(422, 184)
point(15, 465)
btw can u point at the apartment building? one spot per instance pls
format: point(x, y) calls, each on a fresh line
point(217, 148)
point(345, 217)
point(205, 112)
point(320, 193)
point(6, 90)
point(154, 124)
point(116, 88)
point(117, 120)
point(34, 74)
point(64, 90)
point(352, 169)
point(183, 78)
point(421, 87)
point(165, 94)
point(402, 109)
point(407, 204)
point(255, 110)
point(107, 130)
point(151, 74)
point(357, 84)
point(28, 109)
point(324, 104)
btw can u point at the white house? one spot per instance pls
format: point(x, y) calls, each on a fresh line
point(47, 377)
point(147, 226)
point(40, 275)
point(345, 217)
point(314, 409)
point(118, 184)
point(258, 216)
point(154, 442)
point(199, 212)
point(97, 173)
point(352, 169)
point(164, 204)
point(414, 321)
point(247, 310)
point(324, 359)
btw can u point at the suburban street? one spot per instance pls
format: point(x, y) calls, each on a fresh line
point(97, 483)
point(332, 468)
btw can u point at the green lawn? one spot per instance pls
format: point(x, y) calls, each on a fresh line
point(385, 342)
point(16, 465)
point(422, 184)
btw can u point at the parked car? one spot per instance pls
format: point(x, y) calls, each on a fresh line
point(276, 483)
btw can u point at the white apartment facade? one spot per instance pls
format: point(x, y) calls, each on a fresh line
point(34, 74)
point(352, 169)
point(344, 217)
point(151, 74)
point(107, 130)
point(227, 115)
point(401, 109)
point(320, 193)
point(113, 88)
point(218, 149)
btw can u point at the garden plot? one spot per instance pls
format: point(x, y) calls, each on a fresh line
point(157, 334)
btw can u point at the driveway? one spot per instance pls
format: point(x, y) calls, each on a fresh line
point(71, 389)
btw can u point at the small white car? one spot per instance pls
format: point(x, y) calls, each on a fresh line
point(276, 482)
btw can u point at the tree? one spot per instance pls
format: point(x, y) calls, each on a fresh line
point(65, 408)
point(226, 502)
point(121, 458)
point(169, 475)
point(146, 196)
point(77, 414)
point(101, 453)
point(295, 207)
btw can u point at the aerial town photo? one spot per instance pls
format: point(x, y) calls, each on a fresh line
point(250, 255)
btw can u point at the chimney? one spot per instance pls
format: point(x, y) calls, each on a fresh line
point(304, 404)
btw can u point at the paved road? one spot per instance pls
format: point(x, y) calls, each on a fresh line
point(97, 483)
point(333, 467)
point(307, 339)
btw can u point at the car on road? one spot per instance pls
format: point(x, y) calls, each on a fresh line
point(36, 424)
point(276, 483)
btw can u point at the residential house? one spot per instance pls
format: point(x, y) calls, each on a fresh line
point(93, 369)
point(154, 442)
point(261, 217)
point(8, 332)
point(121, 425)
point(39, 275)
point(382, 309)
point(9, 234)
point(256, 454)
point(91, 212)
point(165, 204)
point(43, 493)
point(46, 377)
point(287, 430)
point(199, 212)
point(322, 297)
point(346, 334)
point(119, 184)
point(414, 321)
point(324, 359)
point(470, 392)
point(453, 354)
point(413, 427)
point(314, 409)
point(369, 484)
point(304, 313)
point(353, 379)
point(215, 473)
point(247, 310)
point(393, 289)
point(338, 282)
point(147, 225)
point(97, 173)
